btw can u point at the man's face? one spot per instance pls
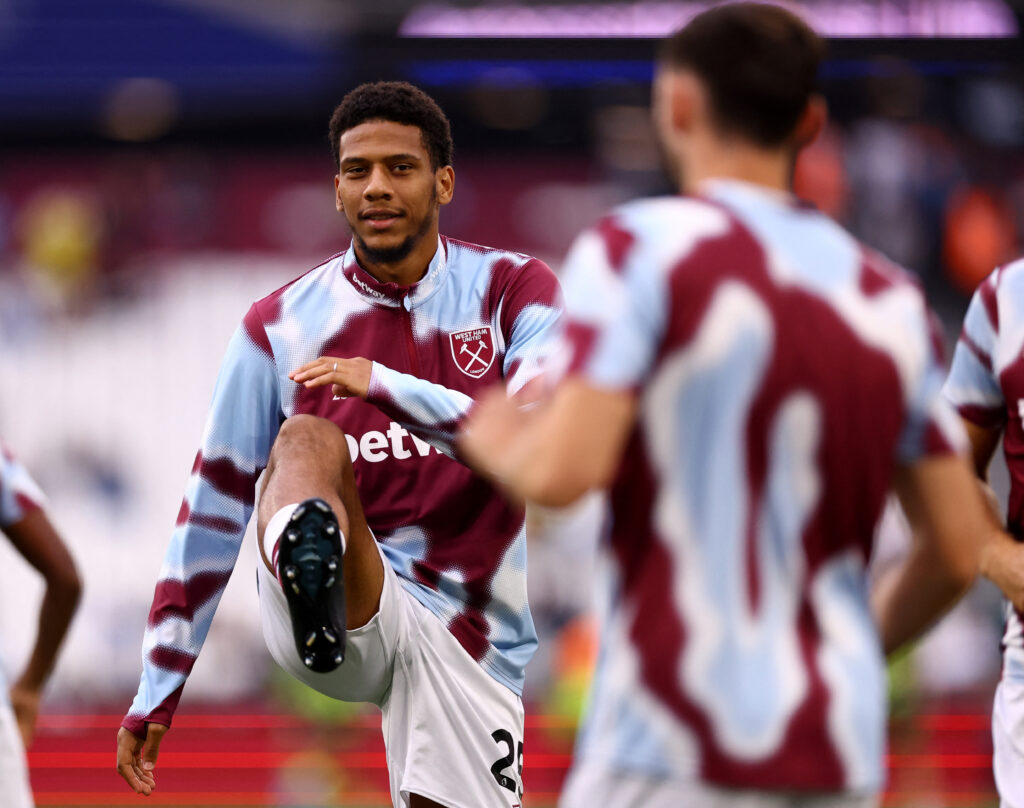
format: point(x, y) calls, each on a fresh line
point(387, 189)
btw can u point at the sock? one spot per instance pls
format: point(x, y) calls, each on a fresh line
point(272, 534)
point(275, 529)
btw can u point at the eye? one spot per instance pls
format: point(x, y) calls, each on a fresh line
point(403, 167)
point(355, 171)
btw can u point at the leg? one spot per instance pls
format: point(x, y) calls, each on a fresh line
point(310, 459)
point(416, 801)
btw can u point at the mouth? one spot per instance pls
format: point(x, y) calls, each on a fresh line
point(380, 218)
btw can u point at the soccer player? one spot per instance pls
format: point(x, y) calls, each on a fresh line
point(25, 523)
point(986, 385)
point(347, 386)
point(749, 380)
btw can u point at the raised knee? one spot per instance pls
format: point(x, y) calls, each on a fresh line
point(309, 433)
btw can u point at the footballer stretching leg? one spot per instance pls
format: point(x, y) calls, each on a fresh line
point(436, 700)
point(310, 519)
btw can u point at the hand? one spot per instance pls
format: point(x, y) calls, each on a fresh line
point(25, 701)
point(347, 377)
point(490, 429)
point(136, 760)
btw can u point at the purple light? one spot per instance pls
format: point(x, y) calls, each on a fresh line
point(837, 18)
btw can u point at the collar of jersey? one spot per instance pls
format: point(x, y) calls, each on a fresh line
point(393, 294)
point(724, 189)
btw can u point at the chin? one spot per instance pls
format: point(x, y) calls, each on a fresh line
point(387, 249)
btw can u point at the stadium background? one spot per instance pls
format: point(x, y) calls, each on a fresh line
point(164, 162)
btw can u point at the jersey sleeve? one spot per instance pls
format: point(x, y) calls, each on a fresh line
point(19, 494)
point(430, 410)
point(972, 386)
point(244, 418)
point(528, 317)
point(931, 427)
point(615, 309)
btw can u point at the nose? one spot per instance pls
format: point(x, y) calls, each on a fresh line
point(379, 184)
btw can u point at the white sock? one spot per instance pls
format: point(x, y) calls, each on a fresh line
point(275, 527)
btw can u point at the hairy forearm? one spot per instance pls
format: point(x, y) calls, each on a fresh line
point(1002, 562)
point(539, 470)
point(913, 595)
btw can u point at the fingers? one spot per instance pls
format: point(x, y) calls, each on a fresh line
point(136, 761)
point(129, 764)
point(316, 368)
point(154, 735)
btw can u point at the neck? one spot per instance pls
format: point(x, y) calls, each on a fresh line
point(405, 271)
point(770, 169)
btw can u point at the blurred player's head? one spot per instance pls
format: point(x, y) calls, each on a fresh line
point(392, 148)
point(739, 81)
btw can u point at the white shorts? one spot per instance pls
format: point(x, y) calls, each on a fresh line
point(453, 734)
point(588, 787)
point(1008, 742)
point(15, 791)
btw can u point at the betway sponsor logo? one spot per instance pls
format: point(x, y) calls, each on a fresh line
point(367, 288)
point(397, 442)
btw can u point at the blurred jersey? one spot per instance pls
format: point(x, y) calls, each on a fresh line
point(986, 385)
point(18, 492)
point(781, 372)
point(478, 317)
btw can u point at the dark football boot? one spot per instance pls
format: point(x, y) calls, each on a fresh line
point(309, 559)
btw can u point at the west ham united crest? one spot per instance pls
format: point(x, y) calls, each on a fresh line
point(473, 350)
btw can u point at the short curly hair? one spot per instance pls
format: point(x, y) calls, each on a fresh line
point(399, 102)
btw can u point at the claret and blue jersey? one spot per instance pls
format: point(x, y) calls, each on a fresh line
point(19, 494)
point(986, 385)
point(478, 317)
point(782, 371)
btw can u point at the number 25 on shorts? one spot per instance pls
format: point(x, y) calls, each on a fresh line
point(503, 737)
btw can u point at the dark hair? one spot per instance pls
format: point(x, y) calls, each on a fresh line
point(758, 62)
point(399, 102)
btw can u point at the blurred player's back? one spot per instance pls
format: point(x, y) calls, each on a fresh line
point(772, 411)
point(750, 381)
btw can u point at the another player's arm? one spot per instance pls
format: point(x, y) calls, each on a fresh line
point(974, 388)
point(573, 442)
point(35, 538)
point(951, 525)
point(555, 454)
point(1002, 558)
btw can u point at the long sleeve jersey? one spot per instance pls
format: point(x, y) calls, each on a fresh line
point(479, 316)
point(986, 385)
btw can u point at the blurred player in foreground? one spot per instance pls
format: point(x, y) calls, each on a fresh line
point(347, 385)
point(986, 385)
point(750, 381)
point(25, 523)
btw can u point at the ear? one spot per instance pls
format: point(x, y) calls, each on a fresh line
point(683, 99)
point(444, 178)
point(337, 193)
point(812, 122)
